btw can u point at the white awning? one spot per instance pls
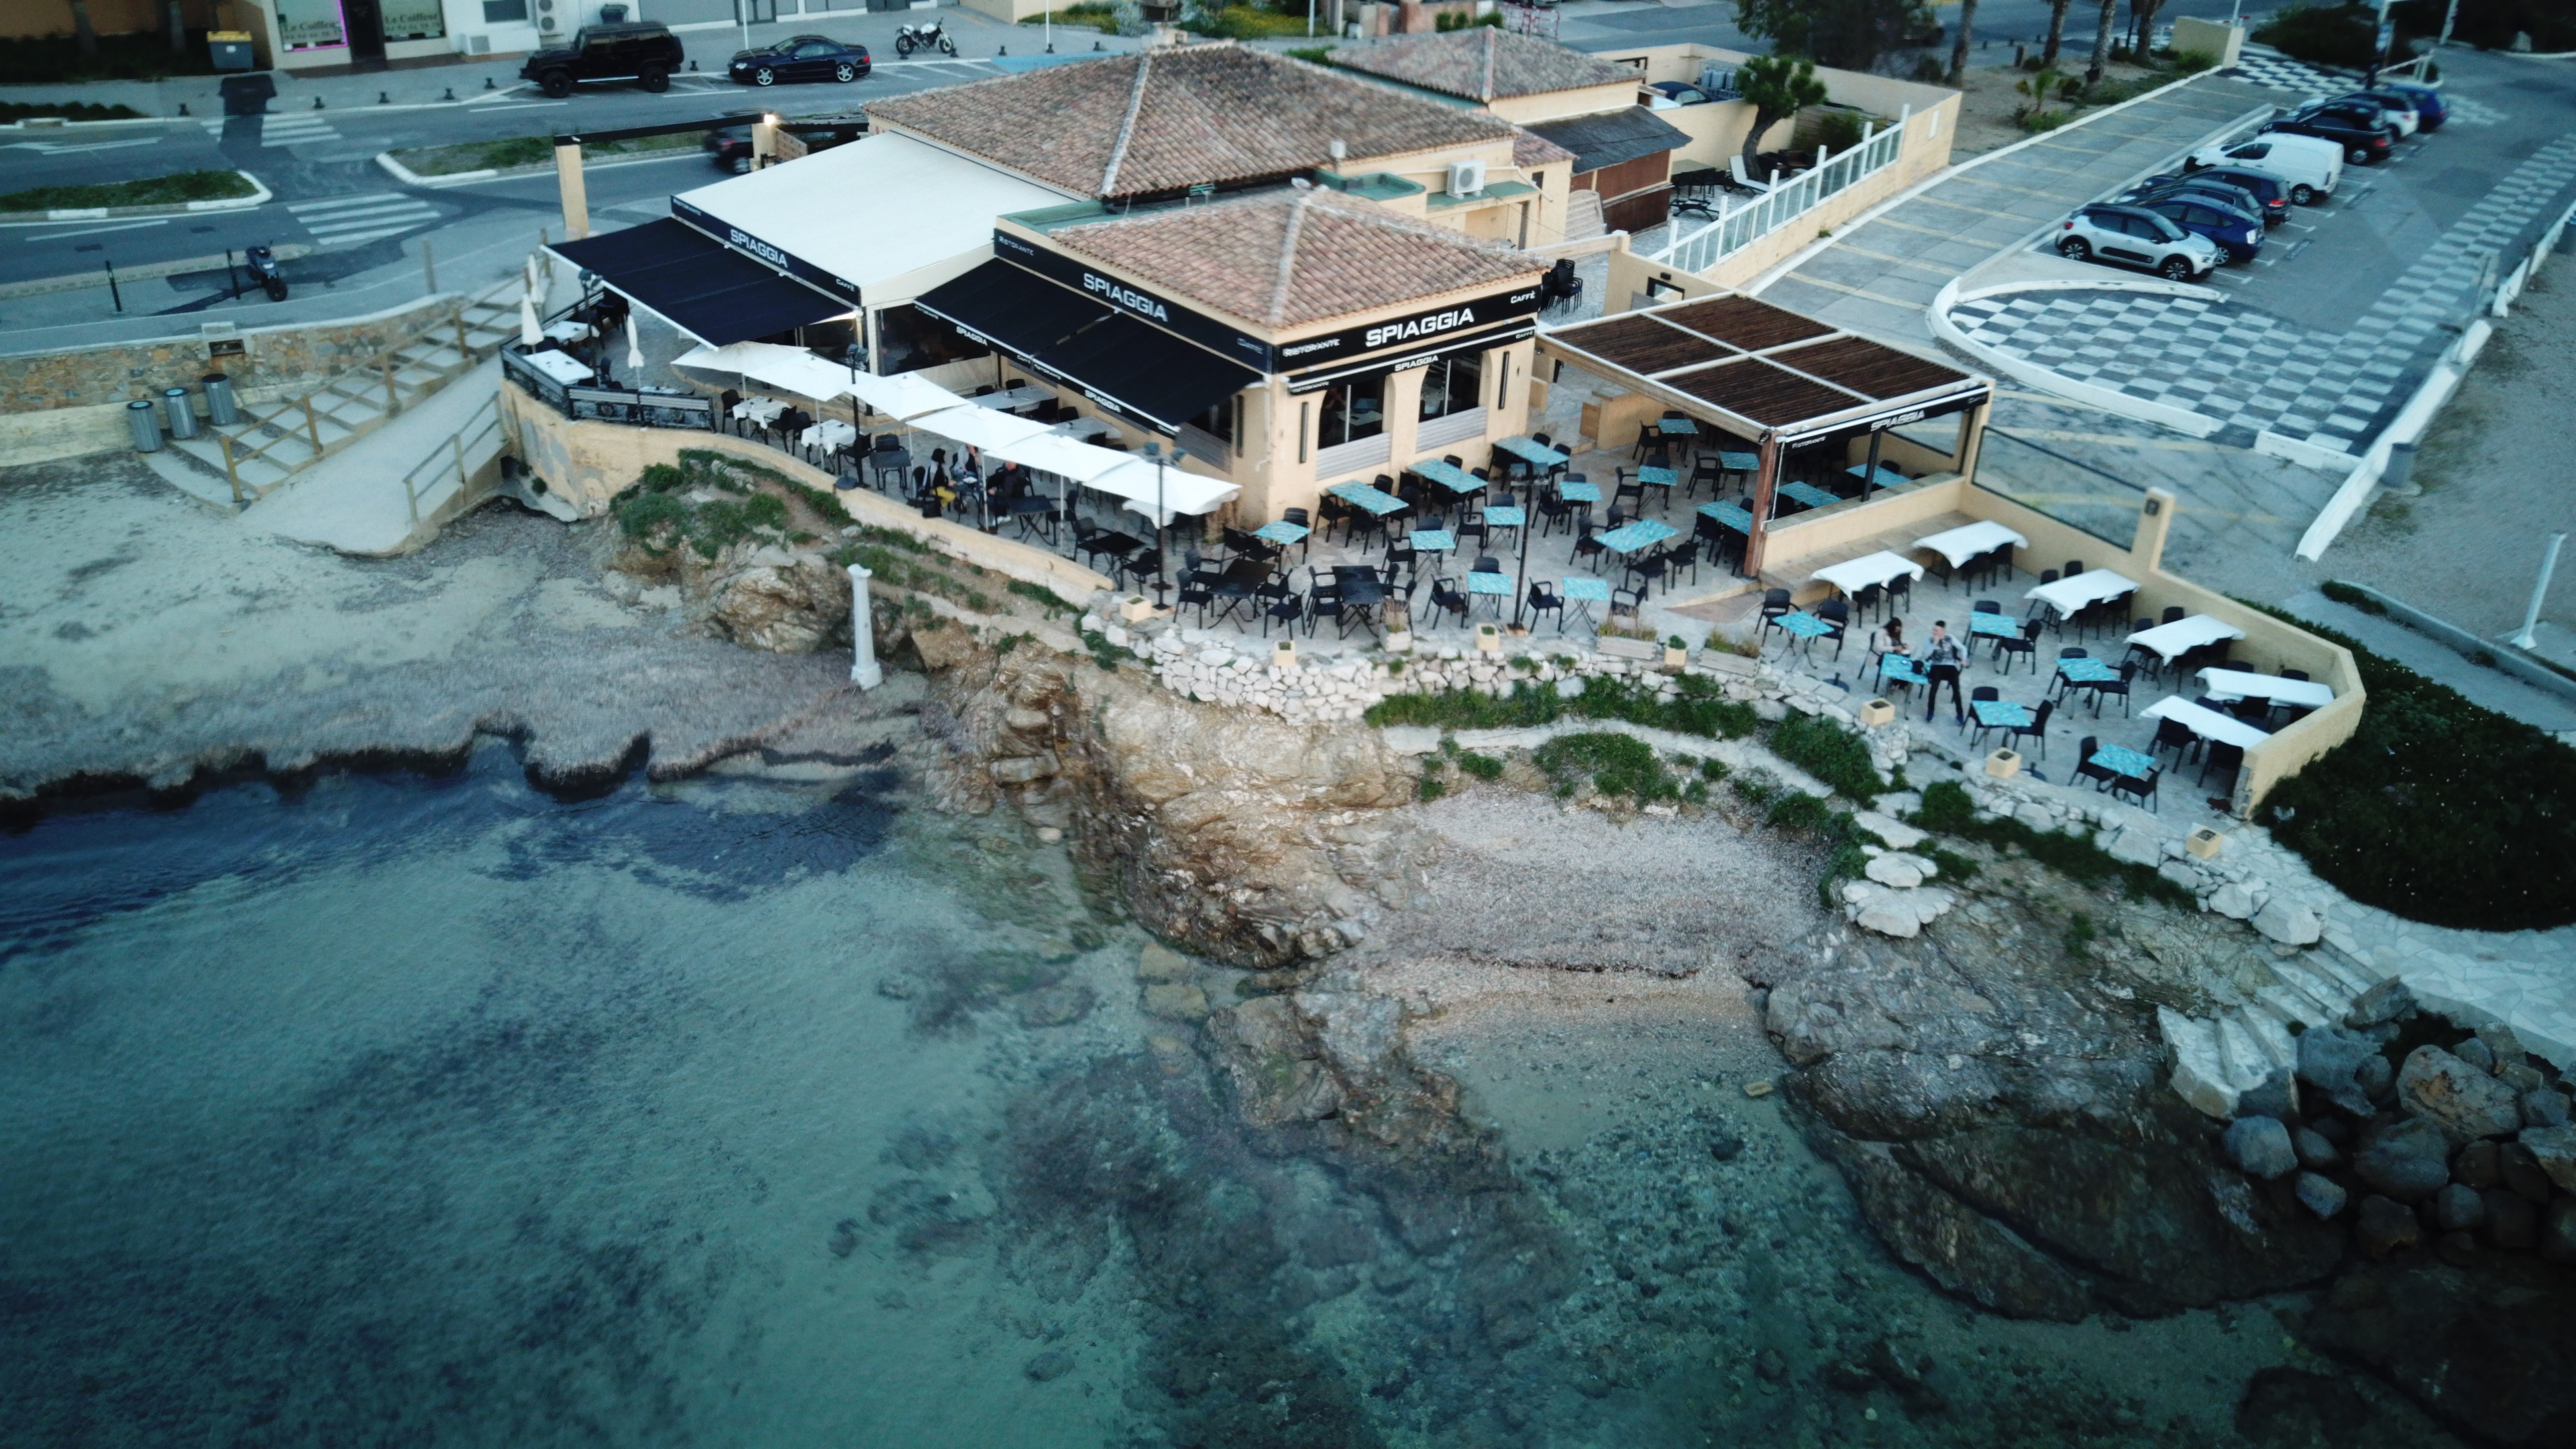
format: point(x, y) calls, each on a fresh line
point(791, 368)
point(1052, 452)
point(980, 427)
point(903, 395)
point(1136, 482)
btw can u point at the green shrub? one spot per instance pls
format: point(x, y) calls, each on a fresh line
point(1758, 788)
point(2344, 35)
point(157, 191)
point(1830, 752)
point(2079, 934)
point(1045, 598)
point(1483, 767)
point(1699, 708)
point(2343, 593)
point(1616, 764)
point(1246, 22)
point(1104, 653)
point(1953, 866)
point(2436, 809)
point(1946, 810)
point(1312, 54)
point(1100, 15)
point(1431, 788)
point(1712, 770)
point(1451, 20)
point(68, 110)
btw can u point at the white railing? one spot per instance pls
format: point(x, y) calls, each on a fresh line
point(1735, 230)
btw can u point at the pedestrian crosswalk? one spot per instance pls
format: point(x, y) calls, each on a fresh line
point(301, 128)
point(342, 221)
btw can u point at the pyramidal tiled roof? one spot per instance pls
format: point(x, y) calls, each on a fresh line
point(1158, 121)
point(1299, 255)
point(1481, 64)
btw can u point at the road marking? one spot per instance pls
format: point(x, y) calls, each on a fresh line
point(1856, 291)
point(295, 130)
point(1934, 269)
point(65, 148)
point(350, 220)
point(2115, 440)
point(95, 230)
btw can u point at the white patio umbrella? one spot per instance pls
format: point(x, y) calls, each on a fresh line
point(902, 396)
point(634, 346)
point(979, 427)
point(529, 333)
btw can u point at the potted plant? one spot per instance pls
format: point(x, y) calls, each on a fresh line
point(1399, 626)
point(1284, 655)
point(1489, 639)
point(1676, 653)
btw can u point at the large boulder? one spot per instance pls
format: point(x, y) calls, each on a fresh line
point(2408, 1161)
point(2490, 1348)
point(2289, 923)
point(2385, 1002)
point(2384, 1226)
point(2261, 1146)
point(2554, 1148)
point(2331, 1061)
point(2464, 1102)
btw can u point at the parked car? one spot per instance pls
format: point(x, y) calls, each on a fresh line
point(799, 58)
point(2217, 193)
point(2400, 110)
point(2309, 166)
point(2430, 110)
point(642, 51)
point(2134, 236)
point(2362, 131)
point(2265, 194)
point(2239, 234)
point(730, 148)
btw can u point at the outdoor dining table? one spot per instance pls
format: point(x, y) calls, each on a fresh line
point(1887, 477)
point(2205, 722)
point(1447, 474)
point(1808, 494)
point(2121, 760)
point(565, 369)
point(1011, 400)
point(1433, 540)
point(1677, 427)
point(1996, 714)
point(1577, 492)
point(1899, 667)
point(2170, 640)
point(2086, 671)
point(2070, 597)
point(1531, 451)
point(1361, 495)
point(1644, 533)
point(761, 410)
point(1486, 584)
point(1804, 630)
point(1585, 592)
point(1282, 533)
point(1505, 515)
point(1994, 626)
point(2229, 685)
point(566, 330)
point(1729, 515)
point(1974, 540)
point(828, 434)
point(1082, 428)
point(1664, 478)
point(1853, 575)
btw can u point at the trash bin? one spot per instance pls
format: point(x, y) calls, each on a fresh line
point(221, 410)
point(231, 49)
point(145, 420)
point(2399, 475)
point(183, 413)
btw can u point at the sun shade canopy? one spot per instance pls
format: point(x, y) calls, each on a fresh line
point(1762, 371)
point(705, 289)
point(1130, 367)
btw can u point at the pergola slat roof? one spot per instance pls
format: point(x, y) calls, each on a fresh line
point(1761, 369)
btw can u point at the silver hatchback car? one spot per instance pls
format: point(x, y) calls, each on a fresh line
point(2134, 237)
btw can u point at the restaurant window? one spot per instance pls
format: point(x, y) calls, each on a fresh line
point(1353, 409)
point(412, 19)
point(911, 339)
point(1218, 422)
point(1453, 384)
point(504, 12)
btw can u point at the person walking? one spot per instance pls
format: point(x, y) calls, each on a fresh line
point(1942, 661)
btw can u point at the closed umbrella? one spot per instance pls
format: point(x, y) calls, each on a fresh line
point(634, 349)
point(529, 333)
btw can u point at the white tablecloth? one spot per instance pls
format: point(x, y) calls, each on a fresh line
point(762, 410)
point(2171, 639)
point(829, 433)
point(2207, 723)
point(1026, 395)
point(564, 329)
point(558, 366)
point(2092, 586)
point(1854, 575)
point(2235, 684)
point(1959, 545)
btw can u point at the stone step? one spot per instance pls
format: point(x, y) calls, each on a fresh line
point(2306, 978)
point(2280, 1049)
point(2242, 1045)
point(2200, 1069)
point(2287, 1006)
point(2356, 976)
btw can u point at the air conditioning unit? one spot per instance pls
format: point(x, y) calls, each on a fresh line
point(1466, 178)
point(478, 45)
point(546, 23)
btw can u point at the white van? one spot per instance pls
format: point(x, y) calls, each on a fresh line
point(2309, 166)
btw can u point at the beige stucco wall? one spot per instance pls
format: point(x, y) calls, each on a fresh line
point(1557, 105)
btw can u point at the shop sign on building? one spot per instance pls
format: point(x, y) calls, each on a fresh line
point(309, 24)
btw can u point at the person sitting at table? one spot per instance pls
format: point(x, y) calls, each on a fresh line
point(1943, 659)
point(1889, 638)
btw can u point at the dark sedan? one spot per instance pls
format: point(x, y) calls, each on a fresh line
point(2268, 198)
point(799, 58)
point(2362, 131)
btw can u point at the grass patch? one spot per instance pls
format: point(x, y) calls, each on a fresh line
point(1698, 708)
point(1097, 15)
point(1483, 767)
point(158, 191)
point(1312, 54)
point(1246, 22)
point(1039, 594)
point(1616, 764)
point(1105, 654)
point(1829, 752)
point(2346, 594)
point(1946, 810)
point(512, 151)
point(2437, 809)
point(66, 110)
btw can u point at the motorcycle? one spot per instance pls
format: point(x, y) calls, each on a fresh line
point(923, 37)
point(264, 271)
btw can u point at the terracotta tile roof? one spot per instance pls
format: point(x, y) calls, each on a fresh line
point(1531, 150)
point(1164, 120)
point(1290, 257)
point(1482, 64)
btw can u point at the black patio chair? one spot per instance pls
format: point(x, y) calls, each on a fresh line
point(1775, 603)
point(1588, 547)
point(2224, 758)
point(1645, 568)
point(1543, 600)
point(1976, 729)
point(1837, 616)
point(1680, 557)
point(2027, 645)
point(1627, 602)
point(2172, 735)
point(2119, 686)
point(1285, 611)
point(2173, 614)
point(2085, 769)
point(1448, 598)
point(2037, 729)
point(2142, 791)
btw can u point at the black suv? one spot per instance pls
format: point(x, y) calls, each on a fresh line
point(641, 51)
point(2361, 130)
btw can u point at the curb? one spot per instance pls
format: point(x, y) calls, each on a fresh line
point(409, 177)
point(260, 196)
point(2507, 658)
point(2198, 425)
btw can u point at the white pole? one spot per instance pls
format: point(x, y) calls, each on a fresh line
point(864, 671)
point(2539, 591)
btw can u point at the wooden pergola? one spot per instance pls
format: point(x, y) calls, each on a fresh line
point(1770, 377)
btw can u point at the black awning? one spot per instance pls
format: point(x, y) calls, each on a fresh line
point(1012, 308)
point(1144, 372)
point(706, 289)
point(1612, 137)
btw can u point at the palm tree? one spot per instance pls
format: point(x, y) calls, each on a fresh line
point(2101, 44)
point(177, 25)
point(1959, 47)
point(2056, 32)
point(84, 35)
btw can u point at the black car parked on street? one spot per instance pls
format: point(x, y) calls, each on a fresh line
point(730, 147)
point(799, 58)
point(2248, 190)
point(641, 51)
point(2362, 131)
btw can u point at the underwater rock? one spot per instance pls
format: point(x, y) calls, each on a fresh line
point(1049, 1366)
point(2491, 1348)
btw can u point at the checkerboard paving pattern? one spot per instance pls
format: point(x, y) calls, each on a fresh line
point(2254, 372)
point(2312, 82)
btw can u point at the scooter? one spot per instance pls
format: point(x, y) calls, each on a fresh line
point(264, 270)
point(923, 37)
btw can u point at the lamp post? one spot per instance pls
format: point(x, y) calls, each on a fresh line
point(1520, 581)
point(1154, 454)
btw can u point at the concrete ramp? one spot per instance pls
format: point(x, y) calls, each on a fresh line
point(390, 491)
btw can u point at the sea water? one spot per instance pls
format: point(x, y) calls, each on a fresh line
point(767, 1109)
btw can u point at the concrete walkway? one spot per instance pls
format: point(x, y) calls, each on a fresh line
point(2440, 663)
point(354, 501)
point(1879, 275)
